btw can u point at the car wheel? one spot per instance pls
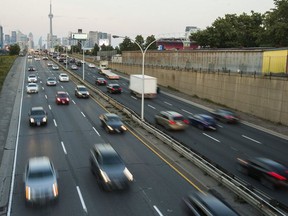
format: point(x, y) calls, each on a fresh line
point(201, 127)
point(107, 130)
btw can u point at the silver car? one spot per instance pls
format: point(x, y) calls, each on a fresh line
point(40, 179)
point(171, 120)
point(32, 78)
point(51, 81)
point(32, 88)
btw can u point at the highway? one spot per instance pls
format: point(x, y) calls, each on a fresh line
point(67, 139)
point(221, 147)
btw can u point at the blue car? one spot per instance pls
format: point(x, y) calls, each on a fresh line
point(203, 121)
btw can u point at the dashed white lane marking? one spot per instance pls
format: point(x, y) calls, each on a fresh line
point(81, 199)
point(46, 96)
point(73, 101)
point(157, 210)
point(211, 137)
point(96, 131)
point(168, 103)
point(187, 112)
point(64, 149)
point(151, 106)
point(49, 107)
point(134, 97)
point(251, 139)
point(55, 122)
point(83, 114)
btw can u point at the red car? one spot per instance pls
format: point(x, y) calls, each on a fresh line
point(62, 98)
point(100, 81)
point(114, 88)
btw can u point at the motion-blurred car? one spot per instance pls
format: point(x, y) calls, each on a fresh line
point(51, 81)
point(63, 77)
point(78, 63)
point(206, 204)
point(100, 81)
point(37, 116)
point(62, 98)
point(225, 116)
point(109, 168)
point(44, 58)
point(203, 121)
point(112, 123)
point(55, 67)
point(32, 88)
point(74, 67)
point(114, 88)
point(91, 65)
point(171, 120)
point(81, 91)
point(32, 78)
point(31, 68)
point(40, 181)
point(270, 173)
point(49, 64)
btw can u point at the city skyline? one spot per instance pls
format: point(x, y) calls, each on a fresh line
point(158, 19)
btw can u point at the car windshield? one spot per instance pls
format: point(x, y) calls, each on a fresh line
point(111, 159)
point(37, 112)
point(62, 95)
point(63, 75)
point(32, 85)
point(82, 89)
point(32, 76)
point(38, 174)
point(115, 86)
point(51, 78)
point(113, 119)
point(178, 118)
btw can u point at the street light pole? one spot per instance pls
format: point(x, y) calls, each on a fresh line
point(143, 71)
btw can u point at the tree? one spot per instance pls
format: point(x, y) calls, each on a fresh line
point(276, 25)
point(151, 39)
point(140, 40)
point(126, 45)
point(14, 49)
point(106, 48)
point(95, 49)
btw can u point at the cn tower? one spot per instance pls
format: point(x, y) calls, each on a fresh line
point(50, 15)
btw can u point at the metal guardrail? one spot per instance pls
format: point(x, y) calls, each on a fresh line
point(245, 191)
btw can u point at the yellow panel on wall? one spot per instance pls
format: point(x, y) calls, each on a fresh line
point(275, 61)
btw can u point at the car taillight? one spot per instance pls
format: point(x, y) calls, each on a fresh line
point(186, 121)
point(172, 122)
point(229, 116)
point(277, 176)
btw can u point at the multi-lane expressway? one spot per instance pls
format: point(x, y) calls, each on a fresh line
point(223, 146)
point(158, 189)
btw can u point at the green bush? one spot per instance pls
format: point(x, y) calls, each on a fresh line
point(6, 63)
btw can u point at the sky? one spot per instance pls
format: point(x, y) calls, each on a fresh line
point(161, 18)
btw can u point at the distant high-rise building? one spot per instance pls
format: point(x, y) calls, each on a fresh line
point(30, 41)
point(6, 39)
point(1, 38)
point(13, 37)
point(40, 45)
point(99, 38)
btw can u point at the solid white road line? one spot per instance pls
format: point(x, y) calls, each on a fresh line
point(81, 199)
point(251, 139)
point(64, 149)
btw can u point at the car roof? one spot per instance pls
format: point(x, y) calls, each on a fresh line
point(105, 148)
point(37, 108)
point(62, 74)
point(114, 84)
point(81, 86)
point(270, 162)
point(213, 204)
point(172, 113)
point(111, 115)
point(37, 163)
point(61, 92)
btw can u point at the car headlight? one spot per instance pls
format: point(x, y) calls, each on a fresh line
point(44, 119)
point(55, 189)
point(105, 176)
point(123, 128)
point(28, 193)
point(110, 128)
point(128, 174)
point(32, 120)
point(87, 93)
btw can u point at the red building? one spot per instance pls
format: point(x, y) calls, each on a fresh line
point(176, 43)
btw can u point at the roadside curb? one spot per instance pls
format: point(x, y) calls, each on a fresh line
point(7, 162)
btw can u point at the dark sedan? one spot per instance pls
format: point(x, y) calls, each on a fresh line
point(226, 116)
point(207, 204)
point(112, 123)
point(109, 168)
point(114, 88)
point(31, 68)
point(37, 116)
point(269, 172)
point(203, 122)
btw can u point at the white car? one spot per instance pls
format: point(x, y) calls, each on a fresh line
point(32, 88)
point(32, 78)
point(49, 64)
point(63, 77)
point(91, 65)
point(51, 81)
point(55, 67)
